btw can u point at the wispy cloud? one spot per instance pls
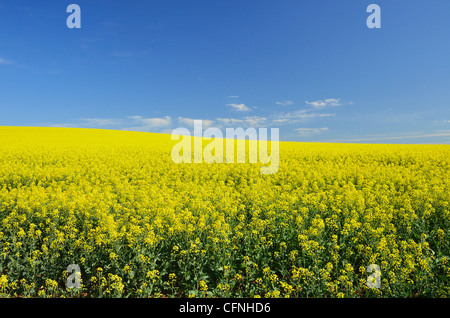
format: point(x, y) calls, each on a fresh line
point(92, 123)
point(102, 122)
point(443, 131)
point(5, 62)
point(285, 103)
point(274, 120)
point(64, 125)
point(233, 96)
point(206, 123)
point(248, 121)
point(239, 107)
point(144, 124)
point(326, 102)
point(165, 123)
point(285, 118)
point(135, 123)
point(436, 133)
point(304, 132)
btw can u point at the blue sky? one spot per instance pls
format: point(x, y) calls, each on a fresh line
point(311, 68)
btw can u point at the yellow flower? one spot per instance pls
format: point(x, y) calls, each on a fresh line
point(153, 275)
point(313, 228)
point(3, 282)
point(203, 285)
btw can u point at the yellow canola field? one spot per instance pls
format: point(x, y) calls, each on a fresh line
point(138, 225)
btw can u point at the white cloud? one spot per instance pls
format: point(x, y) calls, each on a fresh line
point(297, 116)
point(310, 131)
point(274, 120)
point(317, 103)
point(333, 102)
point(232, 121)
point(133, 123)
point(92, 123)
point(206, 123)
point(440, 133)
point(285, 103)
point(233, 96)
point(165, 123)
point(156, 122)
point(239, 107)
point(326, 102)
point(101, 122)
point(248, 121)
point(5, 62)
point(148, 124)
point(63, 125)
point(255, 121)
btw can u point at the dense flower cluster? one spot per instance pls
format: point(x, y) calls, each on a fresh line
point(139, 225)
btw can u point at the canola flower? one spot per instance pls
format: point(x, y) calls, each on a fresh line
point(139, 225)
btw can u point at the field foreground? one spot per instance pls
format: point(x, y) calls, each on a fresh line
point(139, 225)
